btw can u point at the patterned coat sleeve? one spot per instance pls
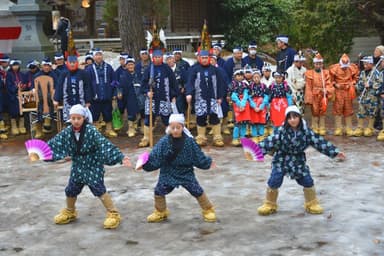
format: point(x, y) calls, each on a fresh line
point(322, 145)
point(61, 145)
point(110, 154)
point(271, 143)
point(200, 160)
point(156, 157)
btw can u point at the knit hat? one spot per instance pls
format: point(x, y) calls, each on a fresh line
point(293, 109)
point(80, 110)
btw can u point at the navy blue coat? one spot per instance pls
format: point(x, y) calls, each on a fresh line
point(206, 85)
point(73, 88)
point(105, 88)
point(254, 63)
point(129, 101)
point(229, 66)
point(59, 70)
point(140, 69)
point(164, 88)
point(284, 59)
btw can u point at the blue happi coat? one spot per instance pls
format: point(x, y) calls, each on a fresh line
point(206, 84)
point(289, 145)
point(103, 81)
point(73, 88)
point(164, 89)
point(180, 170)
point(89, 155)
point(127, 86)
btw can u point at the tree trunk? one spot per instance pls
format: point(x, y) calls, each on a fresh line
point(131, 27)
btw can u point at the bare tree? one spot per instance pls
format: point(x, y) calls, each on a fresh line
point(131, 27)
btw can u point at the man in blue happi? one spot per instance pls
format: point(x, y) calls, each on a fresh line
point(127, 97)
point(254, 61)
point(73, 88)
point(144, 62)
point(216, 50)
point(285, 56)
point(180, 62)
point(207, 87)
point(103, 84)
point(181, 79)
point(160, 78)
point(236, 62)
point(59, 66)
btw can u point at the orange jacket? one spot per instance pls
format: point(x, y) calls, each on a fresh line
point(315, 83)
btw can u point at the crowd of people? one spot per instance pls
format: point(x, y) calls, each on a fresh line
point(239, 93)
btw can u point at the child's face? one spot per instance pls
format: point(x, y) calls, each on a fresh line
point(77, 120)
point(248, 75)
point(15, 67)
point(279, 79)
point(256, 79)
point(293, 120)
point(239, 78)
point(176, 129)
point(267, 73)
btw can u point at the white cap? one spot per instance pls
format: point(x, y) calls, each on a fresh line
point(80, 110)
point(292, 108)
point(177, 118)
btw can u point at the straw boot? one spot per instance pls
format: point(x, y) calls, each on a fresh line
point(161, 212)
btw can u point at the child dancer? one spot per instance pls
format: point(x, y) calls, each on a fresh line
point(280, 96)
point(89, 152)
point(239, 95)
point(176, 154)
point(258, 100)
point(289, 143)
